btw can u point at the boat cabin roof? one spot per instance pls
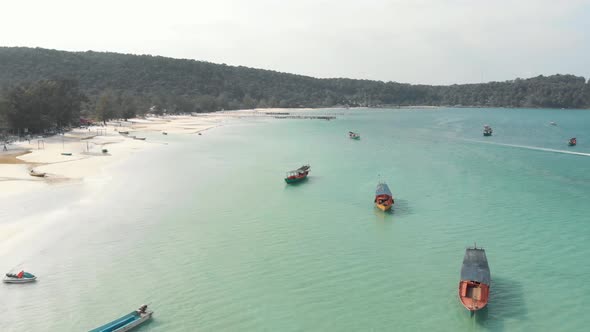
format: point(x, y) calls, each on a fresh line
point(475, 266)
point(382, 189)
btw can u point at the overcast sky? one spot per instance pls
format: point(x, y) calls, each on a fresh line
point(414, 41)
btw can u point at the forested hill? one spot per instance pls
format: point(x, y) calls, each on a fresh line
point(177, 85)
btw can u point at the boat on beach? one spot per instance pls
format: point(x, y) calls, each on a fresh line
point(66, 153)
point(37, 174)
point(487, 130)
point(383, 197)
point(139, 138)
point(124, 132)
point(298, 175)
point(127, 322)
point(354, 135)
point(20, 278)
point(474, 287)
point(572, 141)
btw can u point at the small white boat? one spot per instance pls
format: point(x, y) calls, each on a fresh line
point(553, 123)
point(20, 278)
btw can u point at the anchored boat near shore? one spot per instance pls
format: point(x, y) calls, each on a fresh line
point(127, 322)
point(474, 287)
point(487, 130)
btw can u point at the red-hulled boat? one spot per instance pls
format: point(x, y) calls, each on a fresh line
point(572, 141)
point(383, 197)
point(298, 175)
point(474, 287)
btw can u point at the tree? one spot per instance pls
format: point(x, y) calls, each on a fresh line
point(105, 106)
point(42, 105)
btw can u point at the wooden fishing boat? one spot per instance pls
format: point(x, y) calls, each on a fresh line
point(298, 175)
point(124, 132)
point(572, 141)
point(20, 278)
point(139, 138)
point(164, 133)
point(37, 174)
point(474, 287)
point(66, 153)
point(354, 135)
point(487, 130)
point(127, 322)
point(383, 197)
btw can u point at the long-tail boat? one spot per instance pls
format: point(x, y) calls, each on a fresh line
point(298, 175)
point(487, 130)
point(354, 135)
point(127, 322)
point(383, 197)
point(474, 287)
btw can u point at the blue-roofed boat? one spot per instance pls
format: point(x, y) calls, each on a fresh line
point(474, 287)
point(127, 322)
point(383, 197)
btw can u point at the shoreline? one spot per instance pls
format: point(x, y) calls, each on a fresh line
point(78, 154)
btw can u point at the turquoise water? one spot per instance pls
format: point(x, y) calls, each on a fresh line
point(205, 229)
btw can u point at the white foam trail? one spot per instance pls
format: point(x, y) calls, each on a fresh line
point(533, 148)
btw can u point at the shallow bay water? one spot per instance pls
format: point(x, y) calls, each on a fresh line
point(206, 231)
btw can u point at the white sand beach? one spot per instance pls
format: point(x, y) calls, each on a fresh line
point(79, 153)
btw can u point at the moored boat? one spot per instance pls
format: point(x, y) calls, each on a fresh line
point(572, 141)
point(487, 130)
point(474, 287)
point(37, 174)
point(354, 135)
point(383, 197)
point(19, 278)
point(127, 322)
point(553, 123)
point(298, 175)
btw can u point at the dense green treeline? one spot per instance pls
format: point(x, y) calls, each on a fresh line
point(121, 85)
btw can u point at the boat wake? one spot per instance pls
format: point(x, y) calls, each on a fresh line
point(533, 148)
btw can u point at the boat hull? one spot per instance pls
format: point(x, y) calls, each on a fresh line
point(473, 295)
point(125, 323)
point(487, 134)
point(383, 207)
point(297, 179)
point(18, 280)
